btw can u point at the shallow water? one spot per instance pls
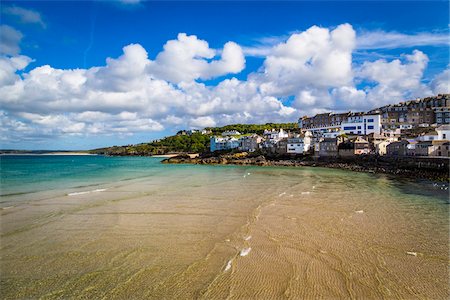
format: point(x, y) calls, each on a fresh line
point(225, 232)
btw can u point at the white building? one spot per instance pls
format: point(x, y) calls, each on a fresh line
point(443, 132)
point(274, 135)
point(361, 124)
point(230, 132)
point(223, 143)
point(428, 137)
point(299, 145)
point(405, 126)
point(249, 142)
point(295, 145)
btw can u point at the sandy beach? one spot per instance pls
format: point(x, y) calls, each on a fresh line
point(228, 232)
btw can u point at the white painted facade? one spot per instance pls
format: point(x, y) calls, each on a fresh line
point(299, 145)
point(275, 135)
point(295, 146)
point(427, 137)
point(223, 143)
point(362, 125)
point(443, 132)
point(231, 132)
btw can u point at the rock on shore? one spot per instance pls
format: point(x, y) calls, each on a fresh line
point(421, 168)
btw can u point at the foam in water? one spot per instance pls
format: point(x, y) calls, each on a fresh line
point(411, 253)
point(282, 194)
point(306, 193)
point(248, 238)
point(359, 211)
point(228, 266)
point(245, 251)
point(86, 192)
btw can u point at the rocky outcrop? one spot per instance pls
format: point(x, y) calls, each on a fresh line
point(425, 168)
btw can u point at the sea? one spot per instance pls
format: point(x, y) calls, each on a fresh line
point(91, 226)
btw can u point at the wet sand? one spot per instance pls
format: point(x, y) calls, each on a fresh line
point(229, 232)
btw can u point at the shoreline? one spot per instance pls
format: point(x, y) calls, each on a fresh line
point(435, 170)
point(191, 155)
point(51, 154)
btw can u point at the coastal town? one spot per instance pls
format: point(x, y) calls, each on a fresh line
point(415, 128)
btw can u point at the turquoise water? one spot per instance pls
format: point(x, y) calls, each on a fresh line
point(22, 174)
point(130, 227)
point(33, 173)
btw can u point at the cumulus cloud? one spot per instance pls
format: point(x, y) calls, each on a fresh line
point(10, 40)
point(25, 15)
point(312, 70)
point(315, 58)
point(186, 59)
point(397, 79)
point(441, 83)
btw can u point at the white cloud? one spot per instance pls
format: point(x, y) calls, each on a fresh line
point(365, 40)
point(315, 58)
point(25, 15)
point(312, 70)
point(441, 83)
point(202, 122)
point(396, 80)
point(390, 40)
point(10, 40)
point(9, 66)
point(186, 59)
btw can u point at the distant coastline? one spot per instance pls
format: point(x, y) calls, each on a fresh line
point(39, 152)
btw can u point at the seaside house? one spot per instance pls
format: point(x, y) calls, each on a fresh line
point(378, 142)
point(428, 136)
point(331, 125)
point(275, 135)
point(398, 148)
point(250, 143)
point(300, 145)
point(443, 133)
point(295, 145)
point(361, 124)
point(272, 138)
point(380, 147)
point(346, 149)
point(231, 133)
point(326, 147)
point(415, 113)
point(281, 146)
point(440, 148)
point(350, 148)
point(411, 147)
point(442, 115)
point(423, 148)
point(223, 143)
point(361, 146)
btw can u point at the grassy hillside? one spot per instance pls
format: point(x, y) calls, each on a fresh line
point(195, 143)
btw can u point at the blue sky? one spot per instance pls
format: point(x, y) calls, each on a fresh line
point(284, 60)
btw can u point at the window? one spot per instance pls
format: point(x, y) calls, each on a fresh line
point(444, 136)
point(359, 127)
point(370, 120)
point(359, 132)
point(350, 128)
point(370, 127)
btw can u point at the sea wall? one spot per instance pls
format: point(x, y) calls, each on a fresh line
point(433, 168)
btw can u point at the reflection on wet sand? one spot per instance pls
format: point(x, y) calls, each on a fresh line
point(276, 233)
